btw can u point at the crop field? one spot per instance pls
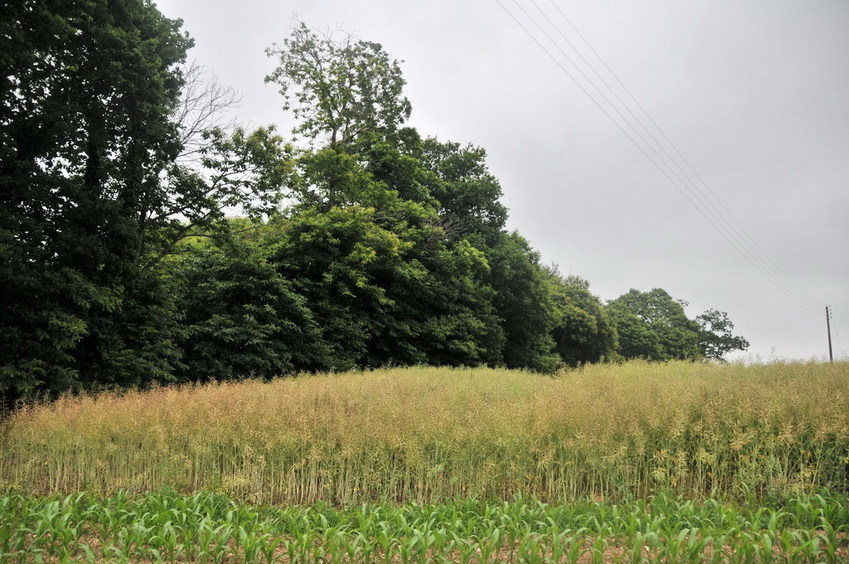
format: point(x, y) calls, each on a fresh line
point(680, 462)
point(206, 527)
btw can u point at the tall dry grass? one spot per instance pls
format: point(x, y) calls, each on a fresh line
point(425, 434)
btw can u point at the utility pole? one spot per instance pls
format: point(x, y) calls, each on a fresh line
point(828, 327)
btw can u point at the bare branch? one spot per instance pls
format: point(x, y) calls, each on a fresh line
point(204, 105)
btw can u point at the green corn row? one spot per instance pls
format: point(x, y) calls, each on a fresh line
point(207, 527)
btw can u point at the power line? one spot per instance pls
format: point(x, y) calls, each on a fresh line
point(736, 225)
point(693, 194)
point(607, 113)
point(702, 204)
point(711, 208)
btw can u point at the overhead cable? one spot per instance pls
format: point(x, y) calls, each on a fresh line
point(735, 225)
point(667, 162)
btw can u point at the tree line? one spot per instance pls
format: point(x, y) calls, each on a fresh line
point(142, 243)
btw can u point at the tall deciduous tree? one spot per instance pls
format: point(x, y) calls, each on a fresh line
point(93, 195)
point(338, 89)
point(523, 302)
point(716, 337)
point(655, 325)
point(87, 91)
point(636, 338)
point(366, 182)
point(583, 331)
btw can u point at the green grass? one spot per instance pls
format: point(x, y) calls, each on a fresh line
point(207, 527)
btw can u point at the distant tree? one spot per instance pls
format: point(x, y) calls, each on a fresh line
point(523, 301)
point(583, 331)
point(387, 288)
point(460, 322)
point(345, 264)
point(636, 339)
point(715, 336)
point(391, 238)
point(655, 326)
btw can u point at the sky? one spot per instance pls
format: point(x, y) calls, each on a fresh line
point(738, 202)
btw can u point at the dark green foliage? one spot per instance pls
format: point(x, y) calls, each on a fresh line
point(331, 178)
point(583, 330)
point(467, 193)
point(524, 303)
point(636, 339)
point(342, 262)
point(386, 289)
point(715, 335)
point(83, 148)
point(652, 325)
point(242, 318)
point(398, 167)
point(460, 323)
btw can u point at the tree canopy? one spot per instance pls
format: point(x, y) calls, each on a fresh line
point(339, 89)
point(359, 242)
point(583, 331)
point(654, 326)
point(84, 149)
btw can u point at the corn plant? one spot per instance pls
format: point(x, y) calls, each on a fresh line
point(208, 527)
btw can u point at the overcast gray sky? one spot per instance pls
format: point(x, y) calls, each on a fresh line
point(753, 93)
